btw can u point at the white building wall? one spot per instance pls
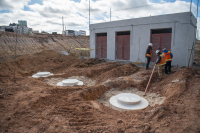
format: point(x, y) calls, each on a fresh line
point(141, 29)
point(76, 33)
point(81, 32)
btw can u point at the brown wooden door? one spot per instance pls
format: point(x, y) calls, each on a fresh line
point(159, 42)
point(123, 47)
point(101, 47)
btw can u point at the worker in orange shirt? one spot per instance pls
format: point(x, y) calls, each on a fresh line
point(148, 55)
point(160, 63)
point(168, 58)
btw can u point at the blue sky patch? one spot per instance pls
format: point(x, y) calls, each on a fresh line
point(5, 11)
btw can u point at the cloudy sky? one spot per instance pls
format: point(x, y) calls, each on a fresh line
point(46, 15)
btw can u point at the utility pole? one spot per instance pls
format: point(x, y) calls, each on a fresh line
point(65, 30)
point(63, 25)
point(110, 14)
point(89, 14)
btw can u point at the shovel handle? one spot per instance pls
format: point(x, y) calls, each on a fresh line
point(149, 80)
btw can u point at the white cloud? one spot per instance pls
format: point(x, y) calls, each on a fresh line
point(48, 16)
point(13, 4)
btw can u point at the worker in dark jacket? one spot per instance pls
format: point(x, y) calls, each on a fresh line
point(160, 63)
point(168, 58)
point(148, 55)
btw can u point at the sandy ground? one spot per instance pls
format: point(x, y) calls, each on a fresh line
point(152, 98)
point(35, 107)
point(85, 80)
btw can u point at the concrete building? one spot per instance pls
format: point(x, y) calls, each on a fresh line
point(81, 33)
point(13, 24)
point(21, 27)
point(76, 33)
point(22, 23)
point(35, 31)
point(70, 32)
point(54, 33)
point(128, 39)
point(44, 32)
point(2, 28)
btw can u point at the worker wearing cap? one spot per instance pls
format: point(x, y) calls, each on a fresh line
point(168, 58)
point(160, 63)
point(148, 55)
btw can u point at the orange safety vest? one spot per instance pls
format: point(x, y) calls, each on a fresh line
point(168, 56)
point(162, 61)
point(149, 55)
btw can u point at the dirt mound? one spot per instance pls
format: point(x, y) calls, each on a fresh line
point(119, 71)
point(43, 61)
point(94, 61)
point(89, 62)
point(44, 108)
point(197, 53)
point(34, 106)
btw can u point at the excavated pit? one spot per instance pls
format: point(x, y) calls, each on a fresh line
point(38, 107)
point(152, 98)
point(102, 95)
point(53, 81)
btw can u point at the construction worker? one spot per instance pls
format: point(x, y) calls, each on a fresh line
point(168, 58)
point(148, 55)
point(160, 62)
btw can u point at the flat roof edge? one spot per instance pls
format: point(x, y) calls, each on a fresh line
point(143, 17)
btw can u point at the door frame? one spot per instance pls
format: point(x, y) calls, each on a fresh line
point(101, 44)
point(123, 45)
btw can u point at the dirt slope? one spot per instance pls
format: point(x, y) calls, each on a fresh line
point(38, 107)
point(29, 44)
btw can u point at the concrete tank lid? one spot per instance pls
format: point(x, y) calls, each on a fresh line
point(128, 98)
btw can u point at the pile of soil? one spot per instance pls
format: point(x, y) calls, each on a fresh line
point(119, 71)
point(43, 61)
point(197, 53)
point(88, 63)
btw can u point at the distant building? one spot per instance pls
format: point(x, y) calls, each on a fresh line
point(81, 33)
point(13, 24)
point(2, 28)
point(70, 32)
point(76, 33)
point(9, 29)
point(21, 27)
point(22, 23)
point(44, 32)
point(35, 31)
point(22, 30)
point(54, 32)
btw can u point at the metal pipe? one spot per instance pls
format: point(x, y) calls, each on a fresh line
point(15, 55)
point(110, 14)
point(89, 14)
point(62, 25)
